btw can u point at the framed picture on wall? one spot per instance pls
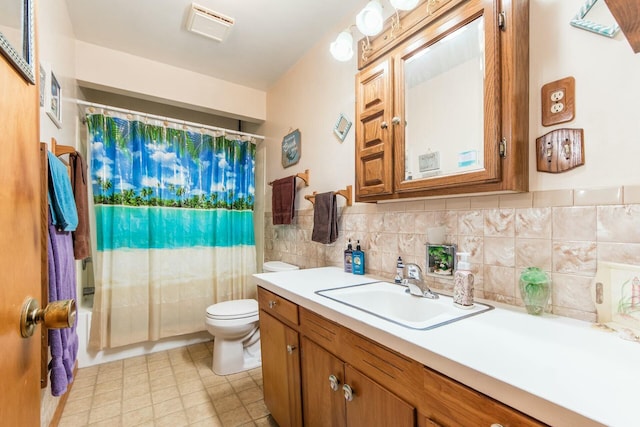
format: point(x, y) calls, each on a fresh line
point(291, 149)
point(54, 102)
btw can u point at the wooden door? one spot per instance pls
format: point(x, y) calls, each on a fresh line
point(281, 371)
point(373, 405)
point(323, 406)
point(19, 246)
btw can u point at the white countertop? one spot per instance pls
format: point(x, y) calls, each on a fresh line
point(561, 371)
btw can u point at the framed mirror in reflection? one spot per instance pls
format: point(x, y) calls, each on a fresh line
point(17, 35)
point(341, 129)
point(444, 105)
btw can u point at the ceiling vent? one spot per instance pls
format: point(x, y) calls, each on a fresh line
point(208, 23)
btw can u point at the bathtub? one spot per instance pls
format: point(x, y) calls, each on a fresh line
point(90, 358)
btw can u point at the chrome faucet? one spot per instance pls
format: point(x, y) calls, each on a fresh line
point(415, 283)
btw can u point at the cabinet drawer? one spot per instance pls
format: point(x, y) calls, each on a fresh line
point(277, 306)
point(399, 374)
point(322, 331)
point(448, 403)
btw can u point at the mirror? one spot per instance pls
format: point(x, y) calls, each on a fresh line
point(444, 105)
point(17, 35)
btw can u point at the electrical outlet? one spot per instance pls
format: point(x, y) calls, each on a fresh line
point(557, 95)
point(558, 101)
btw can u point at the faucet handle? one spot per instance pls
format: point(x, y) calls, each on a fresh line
point(414, 271)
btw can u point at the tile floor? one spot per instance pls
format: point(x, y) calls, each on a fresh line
point(170, 388)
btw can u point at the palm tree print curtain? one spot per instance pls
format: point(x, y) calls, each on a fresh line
point(174, 226)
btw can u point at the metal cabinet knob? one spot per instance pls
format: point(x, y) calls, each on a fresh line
point(334, 383)
point(348, 392)
point(496, 425)
point(273, 303)
point(56, 315)
point(290, 348)
point(395, 120)
point(384, 125)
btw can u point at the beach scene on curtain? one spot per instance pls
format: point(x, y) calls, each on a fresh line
point(174, 225)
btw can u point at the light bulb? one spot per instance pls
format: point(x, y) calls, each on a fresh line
point(342, 48)
point(370, 21)
point(404, 4)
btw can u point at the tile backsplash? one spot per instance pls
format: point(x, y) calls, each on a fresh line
point(564, 232)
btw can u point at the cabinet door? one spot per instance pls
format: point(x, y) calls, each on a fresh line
point(281, 371)
point(373, 405)
point(374, 145)
point(322, 399)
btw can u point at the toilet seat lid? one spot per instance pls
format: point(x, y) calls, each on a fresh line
point(233, 309)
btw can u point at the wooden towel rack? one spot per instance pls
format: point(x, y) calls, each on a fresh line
point(303, 176)
point(346, 193)
point(60, 150)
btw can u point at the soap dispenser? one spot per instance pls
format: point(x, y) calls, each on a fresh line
point(358, 260)
point(463, 282)
point(348, 257)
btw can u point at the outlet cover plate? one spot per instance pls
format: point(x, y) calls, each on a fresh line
point(566, 112)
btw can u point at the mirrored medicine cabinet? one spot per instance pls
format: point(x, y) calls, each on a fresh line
point(443, 109)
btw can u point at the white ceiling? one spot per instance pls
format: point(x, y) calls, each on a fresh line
point(268, 37)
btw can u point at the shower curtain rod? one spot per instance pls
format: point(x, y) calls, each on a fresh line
point(153, 116)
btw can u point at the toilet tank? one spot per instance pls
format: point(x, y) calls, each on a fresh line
point(273, 266)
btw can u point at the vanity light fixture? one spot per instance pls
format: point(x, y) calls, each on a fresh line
point(404, 4)
point(342, 48)
point(370, 20)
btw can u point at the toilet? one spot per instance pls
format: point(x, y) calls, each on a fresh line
point(234, 325)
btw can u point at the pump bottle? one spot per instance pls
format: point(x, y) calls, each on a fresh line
point(463, 282)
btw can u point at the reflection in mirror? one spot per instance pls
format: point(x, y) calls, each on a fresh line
point(444, 105)
point(16, 35)
point(342, 127)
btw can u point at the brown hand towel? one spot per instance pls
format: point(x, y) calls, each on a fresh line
point(283, 199)
point(325, 218)
point(81, 239)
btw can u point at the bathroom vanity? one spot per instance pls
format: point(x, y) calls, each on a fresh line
point(326, 363)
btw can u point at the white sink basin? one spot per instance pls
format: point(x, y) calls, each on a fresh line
point(390, 302)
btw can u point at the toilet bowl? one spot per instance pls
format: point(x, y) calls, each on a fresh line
point(236, 345)
point(234, 326)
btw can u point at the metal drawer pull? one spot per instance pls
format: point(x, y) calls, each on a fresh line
point(272, 304)
point(334, 383)
point(290, 348)
point(348, 392)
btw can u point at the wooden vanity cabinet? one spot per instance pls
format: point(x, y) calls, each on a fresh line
point(383, 141)
point(280, 346)
point(365, 403)
point(447, 403)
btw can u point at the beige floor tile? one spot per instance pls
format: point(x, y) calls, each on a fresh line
point(78, 405)
point(108, 386)
point(158, 365)
point(134, 361)
point(267, 421)
point(136, 403)
point(74, 420)
point(111, 422)
point(164, 394)
point(176, 419)
point(134, 379)
point(200, 412)
point(137, 417)
point(193, 399)
point(257, 410)
point(235, 377)
point(242, 383)
point(109, 376)
point(227, 404)
point(219, 391)
point(250, 395)
point(190, 387)
point(135, 370)
point(131, 391)
point(209, 422)
point(186, 375)
point(104, 412)
point(167, 407)
point(107, 398)
point(162, 382)
point(235, 418)
point(159, 355)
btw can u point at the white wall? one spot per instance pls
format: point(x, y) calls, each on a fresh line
point(317, 88)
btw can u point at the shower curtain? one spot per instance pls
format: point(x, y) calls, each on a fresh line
point(174, 225)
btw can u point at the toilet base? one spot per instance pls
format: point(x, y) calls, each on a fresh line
point(231, 357)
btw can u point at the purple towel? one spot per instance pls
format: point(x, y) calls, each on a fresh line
point(62, 285)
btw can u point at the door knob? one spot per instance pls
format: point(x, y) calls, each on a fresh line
point(56, 315)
